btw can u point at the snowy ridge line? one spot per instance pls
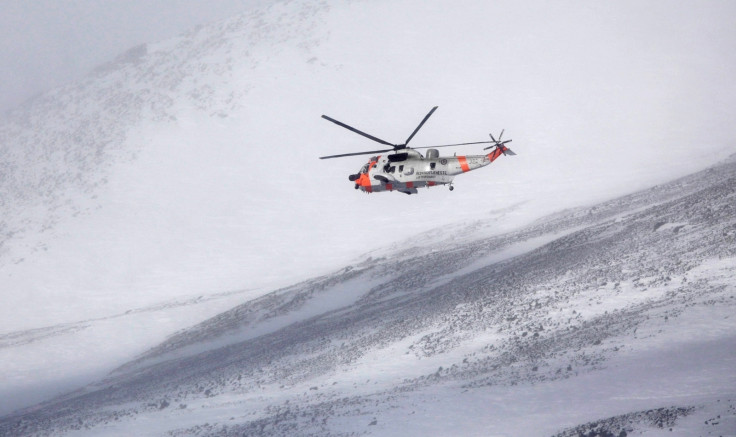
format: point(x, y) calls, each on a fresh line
point(622, 425)
point(413, 347)
point(18, 338)
point(269, 306)
point(317, 303)
point(712, 415)
point(281, 303)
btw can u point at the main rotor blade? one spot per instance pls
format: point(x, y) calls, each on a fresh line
point(453, 145)
point(339, 123)
point(355, 154)
point(420, 125)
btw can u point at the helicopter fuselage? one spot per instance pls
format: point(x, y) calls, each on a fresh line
point(409, 170)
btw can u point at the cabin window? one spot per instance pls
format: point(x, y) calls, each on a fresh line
point(409, 171)
point(431, 165)
point(401, 169)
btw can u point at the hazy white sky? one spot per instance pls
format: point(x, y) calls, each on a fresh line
point(47, 43)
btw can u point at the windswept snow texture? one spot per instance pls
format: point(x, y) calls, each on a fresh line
point(181, 177)
point(617, 319)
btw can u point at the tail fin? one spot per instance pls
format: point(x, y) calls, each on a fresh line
point(500, 147)
point(498, 151)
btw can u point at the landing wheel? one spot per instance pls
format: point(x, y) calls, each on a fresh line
point(451, 188)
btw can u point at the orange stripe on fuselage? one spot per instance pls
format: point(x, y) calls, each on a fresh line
point(364, 180)
point(463, 163)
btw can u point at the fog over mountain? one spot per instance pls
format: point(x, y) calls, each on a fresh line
point(46, 43)
point(181, 178)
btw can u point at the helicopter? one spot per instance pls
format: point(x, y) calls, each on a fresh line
point(406, 169)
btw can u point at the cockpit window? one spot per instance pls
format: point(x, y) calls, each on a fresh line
point(364, 169)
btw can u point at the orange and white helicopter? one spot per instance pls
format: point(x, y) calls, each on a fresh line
point(406, 169)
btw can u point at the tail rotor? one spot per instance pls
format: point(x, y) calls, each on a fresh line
point(500, 144)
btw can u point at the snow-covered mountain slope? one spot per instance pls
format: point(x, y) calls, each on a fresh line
point(125, 169)
point(126, 213)
point(181, 178)
point(616, 319)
